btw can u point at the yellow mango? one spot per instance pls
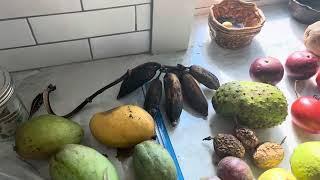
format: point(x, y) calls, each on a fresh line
point(122, 127)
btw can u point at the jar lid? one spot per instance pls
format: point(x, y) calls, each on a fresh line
point(6, 86)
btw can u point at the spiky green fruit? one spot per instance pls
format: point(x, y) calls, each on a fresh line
point(256, 105)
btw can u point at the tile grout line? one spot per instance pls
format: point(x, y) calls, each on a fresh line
point(135, 18)
point(81, 3)
point(85, 61)
point(151, 25)
point(90, 47)
point(72, 12)
point(32, 32)
point(69, 40)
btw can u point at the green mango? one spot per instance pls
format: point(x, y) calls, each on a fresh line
point(78, 162)
point(42, 136)
point(152, 161)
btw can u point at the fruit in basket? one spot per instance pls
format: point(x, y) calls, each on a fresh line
point(174, 99)
point(268, 155)
point(254, 104)
point(305, 161)
point(42, 136)
point(227, 145)
point(267, 70)
point(247, 137)
point(276, 174)
point(152, 161)
point(305, 113)
point(123, 126)
point(227, 24)
point(78, 162)
point(312, 38)
point(193, 94)
point(204, 77)
point(301, 65)
point(233, 168)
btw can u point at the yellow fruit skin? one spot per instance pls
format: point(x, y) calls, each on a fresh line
point(305, 161)
point(227, 24)
point(268, 155)
point(276, 174)
point(122, 127)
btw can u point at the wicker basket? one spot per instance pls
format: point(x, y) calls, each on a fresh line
point(251, 17)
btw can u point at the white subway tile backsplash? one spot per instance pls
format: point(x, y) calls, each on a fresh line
point(96, 4)
point(143, 17)
point(22, 8)
point(45, 55)
point(15, 33)
point(124, 44)
point(84, 24)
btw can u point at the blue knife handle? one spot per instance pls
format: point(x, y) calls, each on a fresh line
point(164, 139)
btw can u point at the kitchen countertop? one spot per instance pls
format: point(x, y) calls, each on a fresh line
point(280, 36)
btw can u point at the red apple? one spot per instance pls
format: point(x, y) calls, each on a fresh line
point(305, 113)
point(301, 65)
point(267, 70)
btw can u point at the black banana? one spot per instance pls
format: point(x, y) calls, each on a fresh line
point(193, 94)
point(137, 77)
point(153, 97)
point(174, 99)
point(204, 77)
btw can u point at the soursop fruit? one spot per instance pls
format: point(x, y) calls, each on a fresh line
point(254, 104)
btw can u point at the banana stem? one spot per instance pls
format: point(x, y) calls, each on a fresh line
point(178, 67)
point(45, 99)
point(159, 75)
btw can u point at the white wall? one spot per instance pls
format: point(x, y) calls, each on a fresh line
point(37, 33)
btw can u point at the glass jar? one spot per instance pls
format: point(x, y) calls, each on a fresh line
point(12, 111)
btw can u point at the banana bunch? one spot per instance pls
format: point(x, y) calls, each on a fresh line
point(180, 83)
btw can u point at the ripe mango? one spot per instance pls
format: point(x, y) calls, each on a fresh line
point(42, 136)
point(152, 161)
point(78, 162)
point(122, 127)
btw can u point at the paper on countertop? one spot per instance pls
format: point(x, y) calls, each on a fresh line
point(14, 168)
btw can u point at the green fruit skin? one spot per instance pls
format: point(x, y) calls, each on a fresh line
point(42, 136)
point(78, 162)
point(305, 161)
point(152, 161)
point(256, 105)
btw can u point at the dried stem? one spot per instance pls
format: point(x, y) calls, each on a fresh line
point(283, 140)
point(209, 138)
point(89, 99)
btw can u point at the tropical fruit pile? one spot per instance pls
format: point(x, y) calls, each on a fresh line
point(256, 104)
point(56, 138)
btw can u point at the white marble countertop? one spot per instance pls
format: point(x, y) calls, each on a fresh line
point(280, 36)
